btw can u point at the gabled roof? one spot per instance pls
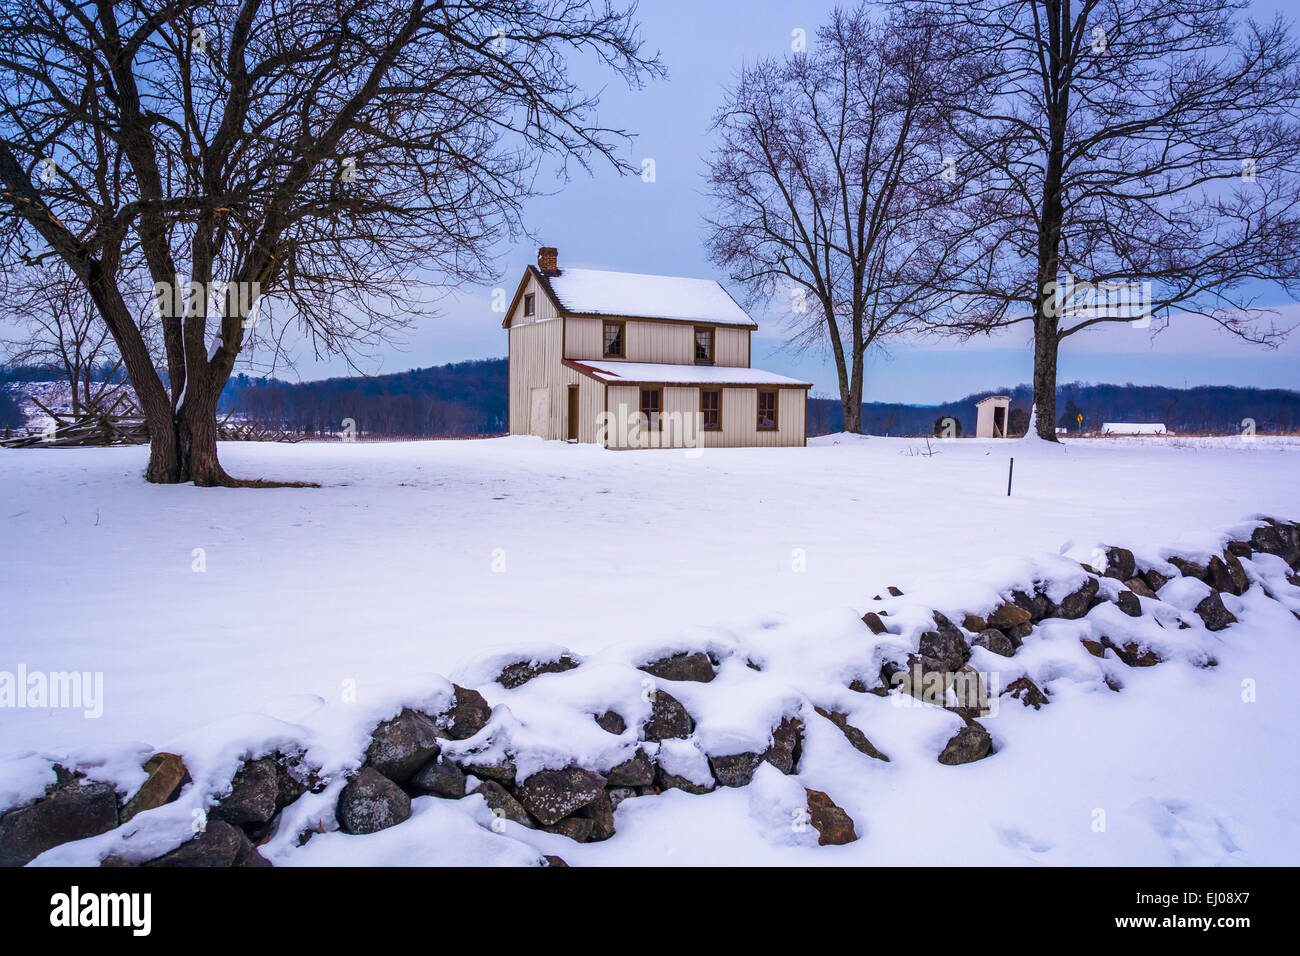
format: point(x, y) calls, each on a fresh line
point(595, 292)
point(651, 373)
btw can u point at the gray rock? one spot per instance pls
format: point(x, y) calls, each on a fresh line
point(521, 672)
point(442, 778)
point(503, 805)
point(1155, 580)
point(671, 781)
point(693, 667)
point(668, 719)
point(468, 715)
point(576, 828)
point(735, 770)
point(252, 798)
point(618, 794)
point(371, 802)
point(995, 641)
point(611, 723)
point(403, 745)
point(502, 771)
point(69, 812)
point(219, 845)
point(969, 744)
point(551, 795)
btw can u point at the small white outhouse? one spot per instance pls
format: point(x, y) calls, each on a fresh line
point(991, 420)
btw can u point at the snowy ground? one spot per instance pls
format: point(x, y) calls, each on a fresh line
point(222, 619)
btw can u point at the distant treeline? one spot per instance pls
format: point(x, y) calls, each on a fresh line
point(1219, 409)
point(467, 398)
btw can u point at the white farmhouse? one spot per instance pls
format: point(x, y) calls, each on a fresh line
point(636, 361)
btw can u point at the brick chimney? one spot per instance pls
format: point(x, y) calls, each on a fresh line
point(547, 260)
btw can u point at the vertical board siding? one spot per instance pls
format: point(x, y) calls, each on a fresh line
point(731, 347)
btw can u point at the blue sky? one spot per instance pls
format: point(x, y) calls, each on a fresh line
point(623, 223)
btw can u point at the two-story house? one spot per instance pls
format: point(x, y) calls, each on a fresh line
point(634, 361)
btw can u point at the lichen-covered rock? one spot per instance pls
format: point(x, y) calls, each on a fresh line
point(551, 795)
point(521, 672)
point(969, 744)
point(576, 828)
point(442, 778)
point(692, 667)
point(468, 715)
point(70, 811)
point(371, 802)
point(636, 771)
point(601, 814)
point(403, 745)
point(1140, 587)
point(671, 781)
point(1213, 613)
point(668, 719)
point(994, 640)
point(946, 647)
point(735, 770)
point(833, 825)
point(503, 805)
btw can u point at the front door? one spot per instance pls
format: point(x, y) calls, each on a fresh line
point(573, 413)
point(540, 419)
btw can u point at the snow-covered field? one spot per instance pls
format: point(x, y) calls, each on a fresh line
point(222, 620)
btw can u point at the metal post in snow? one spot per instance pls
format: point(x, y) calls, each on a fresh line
point(1010, 471)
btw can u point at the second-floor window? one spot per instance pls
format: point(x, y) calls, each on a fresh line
point(530, 304)
point(703, 346)
point(614, 334)
point(766, 409)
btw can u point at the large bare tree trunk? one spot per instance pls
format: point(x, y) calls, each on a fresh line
point(1046, 346)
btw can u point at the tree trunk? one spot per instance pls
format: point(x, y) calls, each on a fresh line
point(1046, 345)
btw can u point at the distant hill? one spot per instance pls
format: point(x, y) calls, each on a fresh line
point(1217, 409)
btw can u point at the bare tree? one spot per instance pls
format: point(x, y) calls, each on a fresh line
point(60, 329)
point(305, 160)
point(1130, 158)
point(824, 183)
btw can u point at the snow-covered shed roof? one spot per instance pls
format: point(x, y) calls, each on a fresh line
point(615, 373)
point(597, 292)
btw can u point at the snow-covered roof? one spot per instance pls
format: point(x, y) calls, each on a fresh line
point(596, 292)
point(633, 372)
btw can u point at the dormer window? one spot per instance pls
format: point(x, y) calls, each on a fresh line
point(530, 304)
point(614, 333)
point(703, 346)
